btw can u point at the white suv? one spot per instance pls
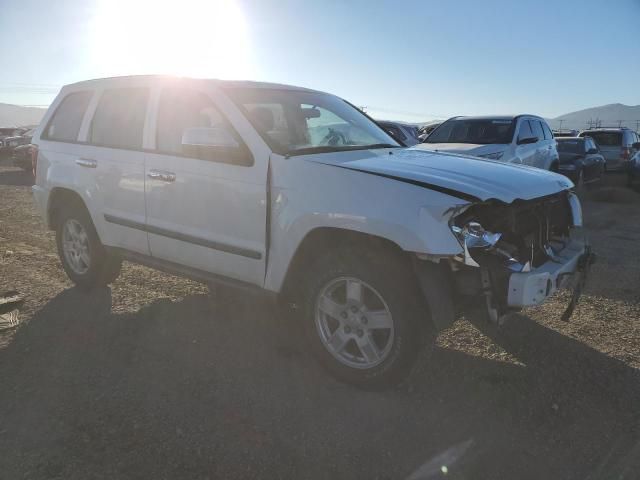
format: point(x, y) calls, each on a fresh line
point(297, 193)
point(525, 139)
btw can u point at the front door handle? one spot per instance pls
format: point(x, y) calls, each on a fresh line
point(162, 175)
point(87, 162)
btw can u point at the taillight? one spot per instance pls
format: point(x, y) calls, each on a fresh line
point(34, 159)
point(625, 153)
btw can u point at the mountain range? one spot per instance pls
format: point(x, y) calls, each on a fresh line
point(16, 115)
point(612, 115)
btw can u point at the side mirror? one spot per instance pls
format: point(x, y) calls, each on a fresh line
point(527, 140)
point(209, 137)
point(310, 113)
point(592, 150)
point(636, 146)
point(216, 144)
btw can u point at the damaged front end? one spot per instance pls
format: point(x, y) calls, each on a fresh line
point(518, 254)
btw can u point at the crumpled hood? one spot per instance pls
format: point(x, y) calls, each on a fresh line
point(465, 177)
point(466, 148)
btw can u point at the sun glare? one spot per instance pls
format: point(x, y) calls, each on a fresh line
point(198, 38)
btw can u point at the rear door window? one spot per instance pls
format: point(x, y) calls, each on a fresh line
point(524, 130)
point(64, 126)
point(536, 129)
point(119, 118)
point(547, 131)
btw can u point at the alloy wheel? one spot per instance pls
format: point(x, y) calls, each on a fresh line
point(354, 323)
point(75, 246)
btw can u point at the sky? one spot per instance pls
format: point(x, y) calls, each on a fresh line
point(409, 60)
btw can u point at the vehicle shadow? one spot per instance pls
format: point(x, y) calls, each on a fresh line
point(16, 178)
point(189, 390)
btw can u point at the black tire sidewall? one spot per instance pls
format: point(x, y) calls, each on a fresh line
point(97, 254)
point(401, 295)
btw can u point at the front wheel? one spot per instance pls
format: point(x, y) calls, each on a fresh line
point(364, 317)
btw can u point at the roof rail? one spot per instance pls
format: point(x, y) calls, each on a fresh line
point(601, 127)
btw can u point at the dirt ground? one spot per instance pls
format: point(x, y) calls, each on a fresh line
point(153, 379)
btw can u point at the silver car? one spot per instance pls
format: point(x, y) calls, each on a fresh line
point(616, 145)
point(524, 139)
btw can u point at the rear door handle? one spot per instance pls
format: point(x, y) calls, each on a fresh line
point(162, 175)
point(87, 162)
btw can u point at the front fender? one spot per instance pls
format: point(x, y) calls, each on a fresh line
point(414, 218)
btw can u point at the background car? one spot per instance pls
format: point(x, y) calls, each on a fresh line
point(633, 170)
point(616, 145)
point(404, 133)
point(8, 138)
point(525, 139)
point(425, 130)
point(19, 148)
point(580, 159)
point(565, 133)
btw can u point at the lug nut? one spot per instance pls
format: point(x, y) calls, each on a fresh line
point(347, 329)
point(343, 314)
point(364, 320)
point(360, 333)
point(354, 309)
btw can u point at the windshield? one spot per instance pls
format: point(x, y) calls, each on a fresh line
point(480, 131)
point(570, 146)
point(296, 122)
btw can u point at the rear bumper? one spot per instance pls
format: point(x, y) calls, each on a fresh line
point(533, 288)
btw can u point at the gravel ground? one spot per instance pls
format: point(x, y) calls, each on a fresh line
point(153, 379)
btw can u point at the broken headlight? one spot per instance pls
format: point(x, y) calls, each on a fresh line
point(473, 235)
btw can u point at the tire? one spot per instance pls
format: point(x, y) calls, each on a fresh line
point(86, 262)
point(346, 342)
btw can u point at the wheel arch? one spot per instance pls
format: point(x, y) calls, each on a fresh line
point(58, 198)
point(322, 239)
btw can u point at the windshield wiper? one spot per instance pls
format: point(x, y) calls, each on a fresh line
point(338, 148)
point(379, 145)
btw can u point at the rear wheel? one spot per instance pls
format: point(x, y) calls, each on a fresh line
point(83, 257)
point(363, 317)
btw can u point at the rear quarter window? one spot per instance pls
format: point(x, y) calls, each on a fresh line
point(64, 125)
